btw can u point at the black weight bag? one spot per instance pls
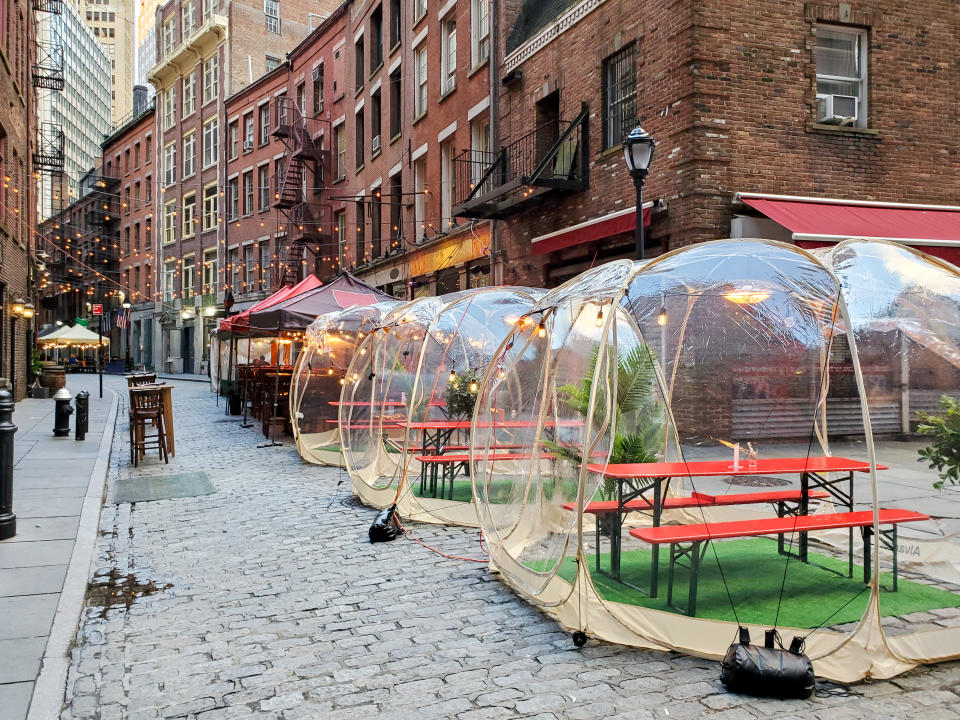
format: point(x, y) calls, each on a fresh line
point(767, 671)
point(385, 527)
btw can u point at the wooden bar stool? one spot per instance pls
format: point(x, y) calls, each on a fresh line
point(138, 379)
point(146, 411)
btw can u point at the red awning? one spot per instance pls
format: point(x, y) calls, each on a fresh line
point(934, 229)
point(241, 321)
point(622, 221)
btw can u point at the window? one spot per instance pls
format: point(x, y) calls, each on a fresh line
point(358, 132)
point(341, 143)
point(270, 63)
point(211, 78)
point(264, 124)
point(340, 229)
point(263, 184)
point(169, 36)
point(265, 265)
point(395, 22)
point(189, 154)
point(210, 131)
point(186, 277)
point(480, 31)
point(136, 237)
point(396, 218)
point(480, 144)
point(318, 89)
point(149, 185)
point(210, 207)
point(126, 241)
point(209, 271)
point(375, 122)
point(248, 132)
point(169, 278)
point(170, 164)
point(359, 76)
point(619, 96)
point(419, 9)
point(249, 266)
point(189, 93)
point(234, 131)
point(448, 70)
point(187, 18)
point(147, 148)
point(420, 198)
point(169, 108)
point(420, 66)
point(136, 195)
point(280, 102)
point(376, 38)
point(448, 179)
point(136, 154)
point(841, 76)
point(233, 199)
point(248, 192)
point(302, 99)
point(209, 8)
point(361, 248)
point(233, 268)
point(271, 12)
point(395, 103)
point(375, 225)
point(189, 214)
point(169, 222)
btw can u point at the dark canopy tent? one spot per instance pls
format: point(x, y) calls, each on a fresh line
point(296, 313)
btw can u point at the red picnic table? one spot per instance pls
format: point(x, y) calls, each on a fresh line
point(642, 478)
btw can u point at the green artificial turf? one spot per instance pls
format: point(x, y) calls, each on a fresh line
point(754, 571)
point(332, 447)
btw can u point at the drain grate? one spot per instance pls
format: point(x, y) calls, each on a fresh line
point(757, 481)
point(147, 488)
point(352, 502)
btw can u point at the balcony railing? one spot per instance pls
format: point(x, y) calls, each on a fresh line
point(552, 157)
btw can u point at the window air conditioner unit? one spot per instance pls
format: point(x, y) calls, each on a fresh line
point(838, 109)
point(247, 145)
point(375, 144)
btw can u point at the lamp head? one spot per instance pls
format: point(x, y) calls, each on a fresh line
point(638, 151)
point(16, 307)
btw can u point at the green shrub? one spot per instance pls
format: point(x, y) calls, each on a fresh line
point(943, 454)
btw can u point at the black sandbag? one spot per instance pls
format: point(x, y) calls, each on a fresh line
point(767, 671)
point(385, 526)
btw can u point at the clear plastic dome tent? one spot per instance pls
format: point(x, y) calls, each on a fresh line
point(409, 394)
point(699, 454)
point(330, 343)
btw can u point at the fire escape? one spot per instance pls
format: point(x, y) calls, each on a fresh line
point(307, 224)
point(47, 74)
point(551, 159)
point(101, 241)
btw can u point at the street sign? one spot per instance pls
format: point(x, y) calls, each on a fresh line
point(98, 309)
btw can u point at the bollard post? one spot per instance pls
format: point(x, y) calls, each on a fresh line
point(8, 521)
point(83, 414)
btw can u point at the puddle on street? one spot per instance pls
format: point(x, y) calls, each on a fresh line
point(114, 589)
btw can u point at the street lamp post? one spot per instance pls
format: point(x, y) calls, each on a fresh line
point(128, 356)
point(638, 154)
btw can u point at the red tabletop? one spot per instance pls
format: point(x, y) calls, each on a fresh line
point(385, 403)
point(465, 424)
point(723, 468)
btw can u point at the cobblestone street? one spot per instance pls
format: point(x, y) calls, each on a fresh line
point(265, 599)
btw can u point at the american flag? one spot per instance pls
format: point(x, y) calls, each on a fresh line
point(123, 318)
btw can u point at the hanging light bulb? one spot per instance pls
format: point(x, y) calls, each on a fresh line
point(542, 329)
point(453, 377)
point(473, 386)
point(600, 317)
point(662, 317)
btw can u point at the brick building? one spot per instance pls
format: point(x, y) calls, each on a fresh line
point(206, 51)
point(848, 102)
point(417, 94)
point(278, 160)
point(128, 156)
point(17, 195)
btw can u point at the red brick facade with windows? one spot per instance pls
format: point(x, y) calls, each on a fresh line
point(18, 277)
point(730, 94)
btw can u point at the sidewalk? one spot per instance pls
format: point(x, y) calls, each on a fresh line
point(57, 495)
point(183, 376)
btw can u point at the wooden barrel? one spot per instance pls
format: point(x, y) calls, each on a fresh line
point(53, 377)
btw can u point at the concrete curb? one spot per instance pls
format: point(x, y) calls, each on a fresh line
point(184, 378)
point(50, 686)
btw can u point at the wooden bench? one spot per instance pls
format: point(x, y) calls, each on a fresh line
point(451, 463)
point(697, 499)
point(691, 541)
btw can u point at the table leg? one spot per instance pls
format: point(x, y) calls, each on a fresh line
point(867, 533)
point(694, 577)
point(850, 509)
point(615, 534)
point(804, 508)
point(655, 556)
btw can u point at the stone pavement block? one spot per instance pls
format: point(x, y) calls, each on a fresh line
point(34, 554)
point(15, 698)
point(20, 659)
point(27, 615)
point(32, 580)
